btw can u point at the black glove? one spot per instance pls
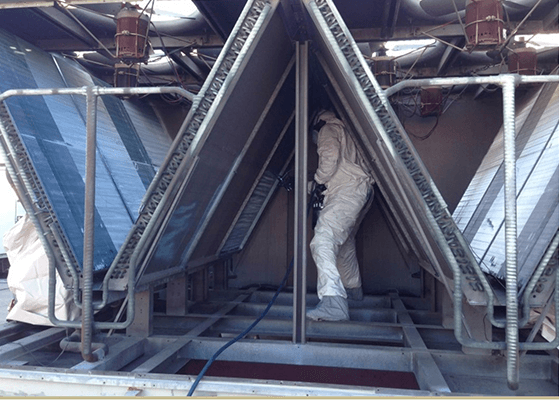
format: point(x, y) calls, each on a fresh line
point(317, 201)
point(317, 196)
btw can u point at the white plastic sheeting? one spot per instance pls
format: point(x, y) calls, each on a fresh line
point(28, 278)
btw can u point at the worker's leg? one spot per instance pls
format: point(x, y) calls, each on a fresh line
point(347, 263)
point(336, 221)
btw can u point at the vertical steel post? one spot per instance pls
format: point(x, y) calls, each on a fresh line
point(300, 236)
point(511, 329)
point(89, 226)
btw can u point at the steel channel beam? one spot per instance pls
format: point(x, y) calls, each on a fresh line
point(362, 332)
point(317, 354)
point(368, 357)
point(285, 298)
point(59, 383)
point(11, 328)
point(300, 225)
point(170, 353)
point(426, 370)
point(357, 314)
point(121, 354)
point(30, 343)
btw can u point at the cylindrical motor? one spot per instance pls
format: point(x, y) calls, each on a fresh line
point(523, 61)
point(484, 23)
point(131, 35)
point(431, 101)
point(126, 75)
point(384, 69)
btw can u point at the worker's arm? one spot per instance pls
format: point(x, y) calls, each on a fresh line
point(328, 148)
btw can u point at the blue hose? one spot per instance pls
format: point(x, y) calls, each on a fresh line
point(247, 330)
point(242, 334)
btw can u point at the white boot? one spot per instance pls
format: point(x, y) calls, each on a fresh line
point(330, 308)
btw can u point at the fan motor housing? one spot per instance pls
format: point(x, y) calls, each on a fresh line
point(384, 69)
point(484, 23)
point(131, 35)
point(523, 61)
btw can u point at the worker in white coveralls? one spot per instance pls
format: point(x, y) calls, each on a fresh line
point(346, 188)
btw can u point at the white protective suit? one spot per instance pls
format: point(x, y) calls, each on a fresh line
point(348, 191)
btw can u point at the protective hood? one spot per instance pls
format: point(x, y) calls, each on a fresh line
point(326, 116)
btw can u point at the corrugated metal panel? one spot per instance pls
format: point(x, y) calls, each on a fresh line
point(480, 213)
point(52, 130)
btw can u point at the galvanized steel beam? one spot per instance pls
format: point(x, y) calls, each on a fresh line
point(426, 370)
point(59, 383)
point(31, 343)
point(300, 225)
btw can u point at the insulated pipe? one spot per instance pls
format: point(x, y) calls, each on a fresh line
point(511, 270)
point(193, 24)
point(89, 225)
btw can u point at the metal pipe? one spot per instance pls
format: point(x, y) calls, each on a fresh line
point(98, 91)
point(511, 270)
point(94, 91)
point(300, 224)
point(73, 344)
point(469, 80)
point(493, 79)
point(89, 225)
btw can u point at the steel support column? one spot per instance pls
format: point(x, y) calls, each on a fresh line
point(89, 226)
point(300, 236)
point(511, 232)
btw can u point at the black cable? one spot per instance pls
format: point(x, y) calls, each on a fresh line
point(428, 134)
point(247, 330)
point(242, 334)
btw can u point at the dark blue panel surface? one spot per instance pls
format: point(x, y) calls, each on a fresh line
point(53, 132)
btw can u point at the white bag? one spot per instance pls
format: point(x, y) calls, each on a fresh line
point(28, 278)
